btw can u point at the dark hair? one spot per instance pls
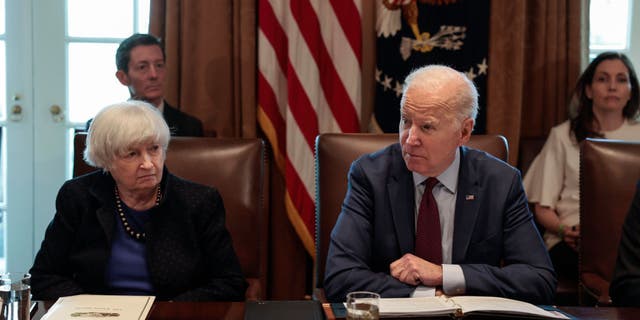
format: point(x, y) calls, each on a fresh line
point(582, 118)
point(123, 54)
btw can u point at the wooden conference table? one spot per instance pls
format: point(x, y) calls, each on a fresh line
point(177, 310)
point(236, 310)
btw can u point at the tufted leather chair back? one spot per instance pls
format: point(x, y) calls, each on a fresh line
point(238, 169)
point(609, 171)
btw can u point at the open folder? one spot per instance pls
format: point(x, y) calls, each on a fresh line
point(461, 306)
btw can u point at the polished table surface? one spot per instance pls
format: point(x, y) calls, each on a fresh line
point(574, 312)
point(236, 310)
point(178, 310)
point(587, 313)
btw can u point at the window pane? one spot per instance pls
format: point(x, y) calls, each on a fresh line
point(3, 80)
point(609, 24)
point(2, 18)
point(143, 16)
point(99, 18)
point(92, 80)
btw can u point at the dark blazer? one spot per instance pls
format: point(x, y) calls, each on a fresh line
point(625, 286)
point(180, 123)
point(495, 240)
point(189, 250)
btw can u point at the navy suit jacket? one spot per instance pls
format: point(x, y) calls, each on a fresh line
point(495, 240)
point(181, 124)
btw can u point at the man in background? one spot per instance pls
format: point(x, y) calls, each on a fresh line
point(140, 60)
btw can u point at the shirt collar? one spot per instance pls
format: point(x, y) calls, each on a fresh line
point(161, 106)
point(448, 178)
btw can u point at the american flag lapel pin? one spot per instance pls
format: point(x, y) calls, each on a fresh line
point(470, 197)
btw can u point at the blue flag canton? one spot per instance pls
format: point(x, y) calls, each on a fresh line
point(414, 33)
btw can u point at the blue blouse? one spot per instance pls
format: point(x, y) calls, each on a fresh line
point(127, 272)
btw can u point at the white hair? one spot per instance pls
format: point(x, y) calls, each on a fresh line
point(433, 78)
point(118, 127)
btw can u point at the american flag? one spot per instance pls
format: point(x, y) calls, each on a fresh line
point(309, 82)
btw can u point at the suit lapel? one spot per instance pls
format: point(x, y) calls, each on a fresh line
point(401, 200)
point(103, 190)
point(107, 221)
point(467, 205)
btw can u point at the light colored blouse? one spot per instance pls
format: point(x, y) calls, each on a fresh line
point(552, 178)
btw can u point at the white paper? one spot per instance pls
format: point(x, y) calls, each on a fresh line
point(94, 307)
point(460, 305)
point(502, 305)
point(390, 307)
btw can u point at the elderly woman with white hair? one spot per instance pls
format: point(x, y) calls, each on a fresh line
point(133, 228)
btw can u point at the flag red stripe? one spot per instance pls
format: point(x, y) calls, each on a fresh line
point(269, 105)
point(301, 108)
point(341, 106)
point(300, 197)
point(345, 12)
point(273, 31)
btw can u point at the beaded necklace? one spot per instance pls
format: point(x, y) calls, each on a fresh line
point(139, 236)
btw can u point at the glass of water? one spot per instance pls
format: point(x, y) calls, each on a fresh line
point(363, 305)
point(15, 294)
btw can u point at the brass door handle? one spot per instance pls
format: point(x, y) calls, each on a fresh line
point(55, 110)
point(56, 113)
point(16, 113)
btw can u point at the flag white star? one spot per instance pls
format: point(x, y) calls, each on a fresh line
point(470, 74)
point(398, 89)
point(482, 68)
point(378, 74)
point(387, 83)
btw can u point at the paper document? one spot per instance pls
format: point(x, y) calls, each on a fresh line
point(89, 306)
point(461, 306)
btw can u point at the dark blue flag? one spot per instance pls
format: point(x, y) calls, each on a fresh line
point(414, 33)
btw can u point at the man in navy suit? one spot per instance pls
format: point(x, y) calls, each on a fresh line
point(490, 244)
point(140, 60)
point(141, 67)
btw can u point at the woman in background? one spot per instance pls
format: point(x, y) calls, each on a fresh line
point(133, 228)
point(605, 105)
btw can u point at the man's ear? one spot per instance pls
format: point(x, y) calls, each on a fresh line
point(123, 78)
point(465, 130)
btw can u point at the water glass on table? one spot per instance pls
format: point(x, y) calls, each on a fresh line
point(363, 305)
point(15, 295)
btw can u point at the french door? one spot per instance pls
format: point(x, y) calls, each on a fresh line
point(57, 66)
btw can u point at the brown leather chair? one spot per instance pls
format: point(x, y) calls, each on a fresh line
point(238, 169)
point(567, 287)
point(609, 171)
point(528, 150)
point(334, 154)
